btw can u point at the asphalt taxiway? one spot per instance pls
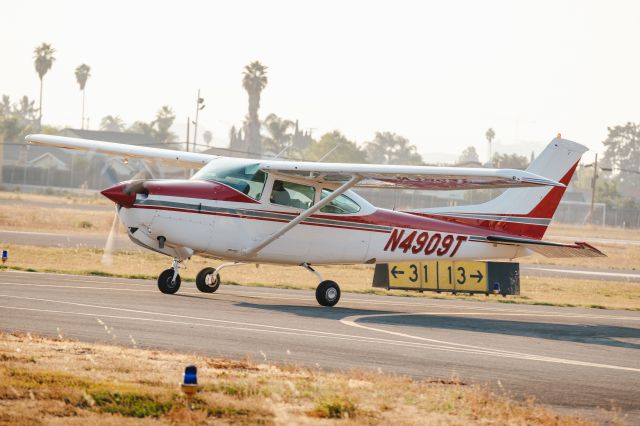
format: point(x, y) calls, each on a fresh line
point(573, 359)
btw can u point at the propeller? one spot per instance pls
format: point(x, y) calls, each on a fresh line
point(136, 185)
point(107, 256)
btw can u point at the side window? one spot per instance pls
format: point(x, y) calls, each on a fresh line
point(341, 205)
point(292, 194)
point(256, 185)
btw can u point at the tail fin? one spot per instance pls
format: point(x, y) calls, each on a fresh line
point(524, 212)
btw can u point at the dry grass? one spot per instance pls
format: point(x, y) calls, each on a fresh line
point(358, 278)
point(46, 381)
point(59, 219)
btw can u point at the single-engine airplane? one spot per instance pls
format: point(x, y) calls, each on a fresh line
point(305, 213)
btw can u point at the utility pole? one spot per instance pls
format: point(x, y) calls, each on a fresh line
point(199, 106)
point(593, 188)
point(187, 173)
point(188, 130)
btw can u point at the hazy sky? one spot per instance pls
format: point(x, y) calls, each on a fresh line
point(438, 73)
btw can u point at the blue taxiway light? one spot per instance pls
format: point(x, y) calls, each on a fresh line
point(190, 375)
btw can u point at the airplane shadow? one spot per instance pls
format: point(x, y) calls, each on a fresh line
point(597, 334)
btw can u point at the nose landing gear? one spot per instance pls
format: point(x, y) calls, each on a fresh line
point(169, 280)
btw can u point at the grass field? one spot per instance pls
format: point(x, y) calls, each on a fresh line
point(54, 381)
point(534, 290)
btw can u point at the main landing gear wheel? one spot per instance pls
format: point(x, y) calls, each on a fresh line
point(204, 280)
point(166, 283)
point(328, 293)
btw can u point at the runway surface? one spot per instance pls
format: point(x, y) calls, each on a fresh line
point(98, 241)
point(571, 359)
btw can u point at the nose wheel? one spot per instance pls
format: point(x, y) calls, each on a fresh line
point(169, 280)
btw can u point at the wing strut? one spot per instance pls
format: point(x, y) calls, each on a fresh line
point(302, 216)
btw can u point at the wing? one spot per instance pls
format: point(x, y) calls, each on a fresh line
point(167, 156)
point(408, 177)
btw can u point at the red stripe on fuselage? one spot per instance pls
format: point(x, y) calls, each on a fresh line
point(545, 209)
point(379, 217)
point(496, 227)
point(203, 189)
point(268, 219)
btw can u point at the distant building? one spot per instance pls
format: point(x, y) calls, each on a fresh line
point(25, 164)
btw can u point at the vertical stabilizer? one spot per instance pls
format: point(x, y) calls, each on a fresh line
point(524, 212)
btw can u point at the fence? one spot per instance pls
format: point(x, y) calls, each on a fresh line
point(569, 212)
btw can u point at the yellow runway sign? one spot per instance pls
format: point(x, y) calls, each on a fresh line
point(405, 274)
point(453, 276)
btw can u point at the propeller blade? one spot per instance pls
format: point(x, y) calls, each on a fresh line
point(107, 256)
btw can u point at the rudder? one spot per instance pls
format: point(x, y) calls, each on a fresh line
point(524, 212)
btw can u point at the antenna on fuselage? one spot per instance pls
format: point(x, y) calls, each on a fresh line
point(327, 154)
point(280, 153)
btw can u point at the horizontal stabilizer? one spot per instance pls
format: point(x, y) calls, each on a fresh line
point(551, 249)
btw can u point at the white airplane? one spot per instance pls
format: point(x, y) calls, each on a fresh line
point(303, 213)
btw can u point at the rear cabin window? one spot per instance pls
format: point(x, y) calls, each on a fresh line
point(341, 205)
point(240, 175)
point(292, 194)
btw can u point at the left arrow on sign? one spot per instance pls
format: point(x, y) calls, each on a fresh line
point(395, 272)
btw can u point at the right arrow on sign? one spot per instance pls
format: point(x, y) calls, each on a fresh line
point(478, 276)
point(395, 272)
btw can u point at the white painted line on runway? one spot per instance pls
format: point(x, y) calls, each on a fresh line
point(283, 330)
point(487, 310)
point(440, 345)
point(49, 234)
point(352, 321)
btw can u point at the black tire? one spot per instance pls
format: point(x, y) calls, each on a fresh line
point(328, 293)
point(165, 283)
point(201, 281)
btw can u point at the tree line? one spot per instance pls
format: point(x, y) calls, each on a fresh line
point(618, 171)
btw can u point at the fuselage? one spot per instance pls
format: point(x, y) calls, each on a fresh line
point(221, 220)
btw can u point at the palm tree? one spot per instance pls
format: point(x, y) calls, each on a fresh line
point(82, 74)
point(162, 125)
point(389, 148)
point(142, 128)
point(112, 123)
point(208, 137)
point(254, 81)
point(43, 56)
point(490, 135)
point(279, 135)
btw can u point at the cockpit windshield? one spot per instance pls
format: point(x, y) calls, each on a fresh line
point(240, 174)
